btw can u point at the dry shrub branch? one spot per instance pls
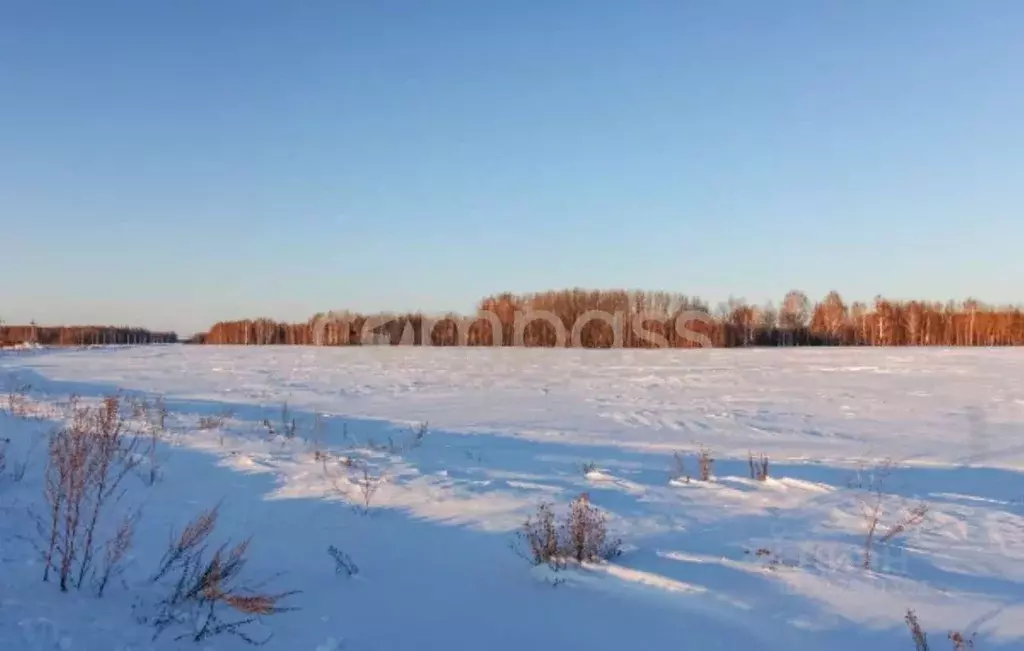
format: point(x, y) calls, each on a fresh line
point(873, 509)
point(88, 460)
point(208, 594)
point(920, 638)
point(357, 482)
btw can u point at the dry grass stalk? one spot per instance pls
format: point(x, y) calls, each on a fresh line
point(919, 636)
point(206, 591)
point(873, 514)
point(317, 436)
point(357, 472)
point(191, 538)
point(368, 485)
point(915, 517)
point(116, 551)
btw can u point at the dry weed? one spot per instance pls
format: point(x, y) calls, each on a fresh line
point(873, 507)
point(706, 463)
point(208, 596)
point(920, 638)
point(87, 461)
point(758, 466)
point(582, 536)
point(358, 473)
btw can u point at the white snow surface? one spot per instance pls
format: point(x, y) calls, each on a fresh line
point(509, 428)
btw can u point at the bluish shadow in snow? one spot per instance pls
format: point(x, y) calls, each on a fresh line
point(412, 567)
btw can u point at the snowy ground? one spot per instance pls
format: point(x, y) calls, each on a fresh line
point(508, 429)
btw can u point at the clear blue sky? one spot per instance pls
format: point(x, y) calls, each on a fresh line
point(168, 164)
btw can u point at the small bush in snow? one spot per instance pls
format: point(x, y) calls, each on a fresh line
point(368, 484)
point(706, 464)
point(17, 398)
point(208, 596)
point(540, 533)
point(873, 511)
point(587, 533)
point(581, 536)
point(356, 480)
point(87, 462)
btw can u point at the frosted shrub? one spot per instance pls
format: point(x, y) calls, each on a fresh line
point(581, 536)
point(586, 533)
point(873, 508)
point(540, 533)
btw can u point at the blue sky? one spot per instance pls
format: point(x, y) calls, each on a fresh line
point(169, 164)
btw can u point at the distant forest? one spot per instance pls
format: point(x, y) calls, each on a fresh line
point(653, 319)
point(11, 335)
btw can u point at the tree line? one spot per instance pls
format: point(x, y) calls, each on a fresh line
point(641, 319)
point(11, 335)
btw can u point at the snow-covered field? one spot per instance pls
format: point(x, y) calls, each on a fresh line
point(730, 563)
